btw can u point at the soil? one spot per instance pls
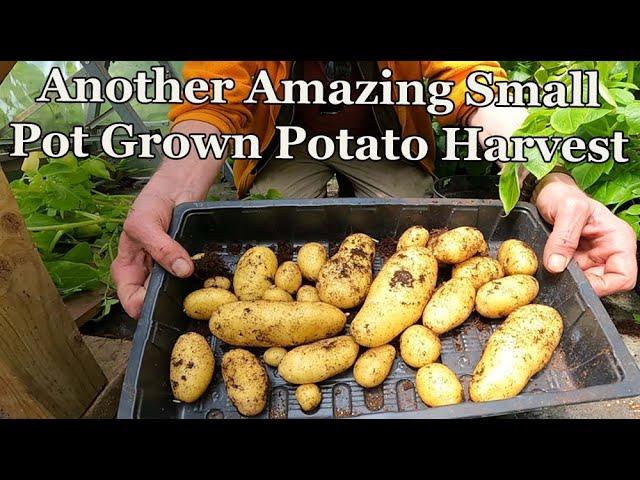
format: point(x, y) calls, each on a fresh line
point(386, 247)
point(284, 252)
point(628, 327)
point(211, 264)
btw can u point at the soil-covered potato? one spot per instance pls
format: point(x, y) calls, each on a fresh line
point(479, 270)
point(218, 282)
point(273, 356)
point(255, 273)
point(308, 396)
point(516, 257)
point(520, 347)
point(311, 257)
point(416, 236)
point(275, 294)
point(246, 381)
point(499, 298)
point(374, 366)
point(275, 324)
point(396, 298)
point(202, 303)
point(288, 277)
point(449, 306)
point(419, 346)
point(307, 293)
point(437, 385)
point(192, 366)
point(459, 244)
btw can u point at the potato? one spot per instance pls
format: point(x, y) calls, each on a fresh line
point(311, 257)
point(202, 303)
point(479, 270)
point(308, 396)
point(254, 273)
point(345, 279)
point(520, 347)
point(499, 298)
point(415, 236)
point(275, 294)
point(192, 366)
point(396, 298)
point(273, 356)
point(218, 282)
point(457, 245)
point(517, 257)
point(246, 381)
point(318, 361)
point(419, 346)
point(449, 306)
point(288, 277)
point(374, 366)
point(437, 385)
point(275, 324)
point(307, 293)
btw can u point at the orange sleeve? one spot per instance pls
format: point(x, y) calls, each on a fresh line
point(231, 117)
point(458, 72)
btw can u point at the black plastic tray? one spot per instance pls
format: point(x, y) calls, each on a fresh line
point(591, 362)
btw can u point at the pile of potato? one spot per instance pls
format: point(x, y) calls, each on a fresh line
point(303, 326)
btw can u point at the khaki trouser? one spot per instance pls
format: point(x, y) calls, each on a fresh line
point(305, 177)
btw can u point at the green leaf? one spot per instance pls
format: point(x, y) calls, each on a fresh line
point(80, 253)
point(567, 120)
point(96, 168)
point(586, 174)
point(536, 164)
point(623, 97)
point(618, 190)
point(633, 221)
point(606, 94)
point(71, 277)
point(51, 169)
point(636, 317)
point(631, 115)
point(633, 210)
point(509, 187)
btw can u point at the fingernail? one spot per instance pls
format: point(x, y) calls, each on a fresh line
point(557, 262)
point(180, 267)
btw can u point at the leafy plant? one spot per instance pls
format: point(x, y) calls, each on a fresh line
point(272, 194)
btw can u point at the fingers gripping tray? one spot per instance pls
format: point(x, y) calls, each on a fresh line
point(591, 363)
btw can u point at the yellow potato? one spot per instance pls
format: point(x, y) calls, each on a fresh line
point(479, 270)
point(499, 298)
point(318, 361)
point(416, 236)
point(246, 381)
point(218, 282)
point(311, 257)
point(275, 294)
point(517, 257)
point(419, 346)
point(202, 303)
point(275, 324)
point(308, 396)
point(307, 293)
point(374, 366)
point(521, 346)
point(273, 356)
point(192, 366)
point(450, 305)
point(254, 273)
point(457, 245)
point(345, 279)
point(396, 298)
point(288, 277)
point(437, 385)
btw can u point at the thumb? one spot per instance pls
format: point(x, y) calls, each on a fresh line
point(570, 219)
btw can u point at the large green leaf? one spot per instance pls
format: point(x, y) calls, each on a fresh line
point(631, 115)
point(586, 174)
point(509, 187)
point(72, 277)
point(567, 120)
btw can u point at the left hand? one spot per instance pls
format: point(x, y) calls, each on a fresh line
point(603, 245)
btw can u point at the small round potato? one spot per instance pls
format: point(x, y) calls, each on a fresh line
point(416, 236)
point(273, 356)
point(288, 277)
point(517, 257)
point(246, 381)
point(308, 396)
point(419, 346)
point(499, 298)
point(201, 304)
point(437, 385)
point(374, 366)
point(479, 270)
point(218, 282)
point(449, 306)
point(276, 294)
point(457, 245)
point(192, 366)
point(311, 257)
point(307, 293)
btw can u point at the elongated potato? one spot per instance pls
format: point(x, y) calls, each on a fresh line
point(218, 282)
point(419, 346)
point(273, 356)
point(246, 381)
point(457, 245)
point(192, 366)
point(275, 324)
point(517, 257)
point(202, 303)
point(396, 298)
point(521, 346)
point(374, 366)
point(479, 270)
point(275, 294)
point(307, 293)
point(311, 257)
point(416, 236)
point(308, 396)
point(499, 298)
point(449, 306)
point(288, 277)
point(437, 385)
point(254, 273)
point(318, 361)
point(345, 279)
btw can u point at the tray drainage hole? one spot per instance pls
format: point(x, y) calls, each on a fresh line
point(463, 361)
point(215, 415)
point(374, 398)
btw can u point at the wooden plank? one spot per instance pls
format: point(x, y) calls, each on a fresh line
point(5, 68)
point(84, 306)
point(46, 370)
